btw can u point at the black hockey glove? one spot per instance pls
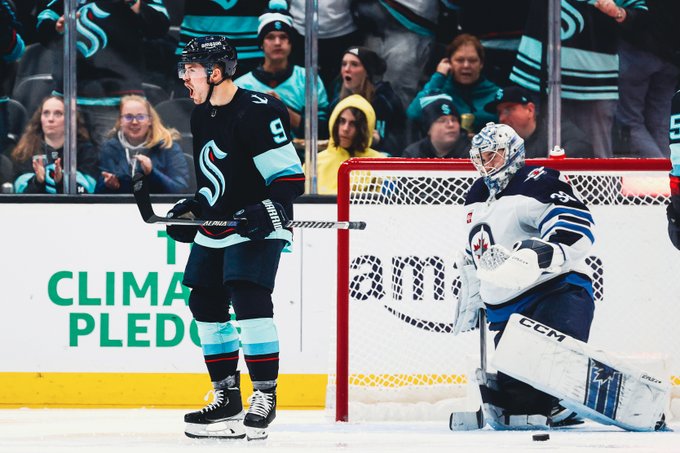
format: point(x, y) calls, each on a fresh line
point(259, 220)
point(183, 209)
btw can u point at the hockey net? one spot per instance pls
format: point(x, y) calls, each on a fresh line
point(396, 357)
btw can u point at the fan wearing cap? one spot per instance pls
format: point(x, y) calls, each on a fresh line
point(277, 76)
point(444, 137)
point(514, 107)
point(360, 70)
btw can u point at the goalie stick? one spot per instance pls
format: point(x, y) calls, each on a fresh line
point(467, 421)
point(143, 200)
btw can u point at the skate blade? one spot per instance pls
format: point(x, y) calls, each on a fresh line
point(228, 429)
point(256, 433)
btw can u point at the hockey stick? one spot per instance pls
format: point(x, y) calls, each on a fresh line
point(143, 200)
point(466, 421)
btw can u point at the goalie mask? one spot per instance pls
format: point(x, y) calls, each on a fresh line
point(497, 153)
point(208, 51)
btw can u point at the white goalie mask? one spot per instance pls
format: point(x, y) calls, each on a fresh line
point(497, 153)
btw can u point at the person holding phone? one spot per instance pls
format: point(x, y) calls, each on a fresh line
point(38, 157)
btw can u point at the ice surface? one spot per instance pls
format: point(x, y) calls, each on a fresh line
point(161, 431)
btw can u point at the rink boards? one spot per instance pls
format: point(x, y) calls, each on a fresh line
point(95, 316)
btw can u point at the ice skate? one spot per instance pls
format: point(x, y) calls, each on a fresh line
point(261, 413)
point(223, 418)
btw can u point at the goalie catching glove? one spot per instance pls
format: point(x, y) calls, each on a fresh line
point(257, 221)
point(469, 301)
point(183, 209)
point(521, 267)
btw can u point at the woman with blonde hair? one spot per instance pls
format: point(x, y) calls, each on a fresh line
point(39, 156)
point(140, 143)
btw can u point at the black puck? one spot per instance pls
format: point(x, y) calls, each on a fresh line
point(540, 437)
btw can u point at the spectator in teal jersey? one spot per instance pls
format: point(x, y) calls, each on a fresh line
point(460, 76)
point(277, 76)
point(237, 20)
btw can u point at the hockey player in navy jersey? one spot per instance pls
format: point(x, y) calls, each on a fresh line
point(673, 209)
point(248, 170)
point(529, 234)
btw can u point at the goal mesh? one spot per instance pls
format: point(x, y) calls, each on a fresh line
point(397, 283)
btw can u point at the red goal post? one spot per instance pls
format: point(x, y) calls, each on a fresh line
point(406, 201)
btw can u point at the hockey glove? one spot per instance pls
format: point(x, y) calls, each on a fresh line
point(521, 267)
point(183, 209)
point(469, 301)
point(257, 221)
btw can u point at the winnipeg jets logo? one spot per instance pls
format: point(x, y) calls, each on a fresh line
point(258, 100)
point(479, 247)
point(535, 173)
point(209, 154)
point(480, 240)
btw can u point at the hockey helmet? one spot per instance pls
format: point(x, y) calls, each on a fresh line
point(504, 143)
point(208, 51)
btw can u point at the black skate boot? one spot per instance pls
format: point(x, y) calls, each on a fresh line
point(261, 413)
point(220, 419)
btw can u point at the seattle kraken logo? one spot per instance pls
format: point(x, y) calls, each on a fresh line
point(92, 36)
point(572, 21)
point(209, 154)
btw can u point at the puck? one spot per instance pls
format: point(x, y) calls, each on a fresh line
point(540, 437)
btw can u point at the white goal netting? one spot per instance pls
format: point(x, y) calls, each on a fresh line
point(401, 285)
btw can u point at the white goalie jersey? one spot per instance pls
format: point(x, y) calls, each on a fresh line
point(537, 203)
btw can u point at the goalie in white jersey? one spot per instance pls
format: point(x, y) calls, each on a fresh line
point(529, 234)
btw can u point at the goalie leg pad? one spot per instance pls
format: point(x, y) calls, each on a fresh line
point(589, 382)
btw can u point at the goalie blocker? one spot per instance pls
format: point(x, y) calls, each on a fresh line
point(587, 381)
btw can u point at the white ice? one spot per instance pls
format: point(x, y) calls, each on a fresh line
point(161, 431)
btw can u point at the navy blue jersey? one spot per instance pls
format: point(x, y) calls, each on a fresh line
point(243, 154)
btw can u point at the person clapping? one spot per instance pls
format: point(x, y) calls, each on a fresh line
point(140, 143)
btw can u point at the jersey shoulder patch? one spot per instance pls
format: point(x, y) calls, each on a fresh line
point(543, 184)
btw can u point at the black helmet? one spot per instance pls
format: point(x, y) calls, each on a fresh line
point(208, 51)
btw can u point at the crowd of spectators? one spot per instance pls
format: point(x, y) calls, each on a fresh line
point(421, 77)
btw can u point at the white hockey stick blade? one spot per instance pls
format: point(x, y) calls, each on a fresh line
point(591, 383)
point(466, 421)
